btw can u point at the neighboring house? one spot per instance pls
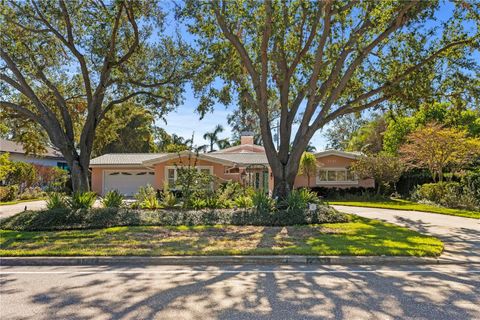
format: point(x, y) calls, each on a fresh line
point(246, 163)
point(52, 158)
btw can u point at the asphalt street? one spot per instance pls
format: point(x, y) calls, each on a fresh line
point(241, 292)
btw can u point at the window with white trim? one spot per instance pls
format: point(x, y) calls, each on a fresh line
point(171, 173)
point(334, 175)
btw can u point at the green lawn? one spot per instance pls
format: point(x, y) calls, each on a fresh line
point(360, 236)
point(399, 204)
point(19, 201)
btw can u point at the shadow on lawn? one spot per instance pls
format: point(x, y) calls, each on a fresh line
point(256, 295)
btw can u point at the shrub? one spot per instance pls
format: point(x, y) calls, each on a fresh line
point(81, 200)
point(214, 202)
point(243, 202)
point(56, 200)
point(8, 193)
point(145, 192)
point(443, 193)
point(197, 204)
point(112, 199)
point(168, 199)
point(299, 199)
point(31, 193)
point(150, 202)
point(449, 194)
point(64, 219)
point(262, 202)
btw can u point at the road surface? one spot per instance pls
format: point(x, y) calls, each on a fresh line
point(241, 292)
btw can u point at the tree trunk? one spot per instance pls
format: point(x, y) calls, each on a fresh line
point(79, 173)
point(282, 183)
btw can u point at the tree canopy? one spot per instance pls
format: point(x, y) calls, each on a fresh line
point(64, 65)
point(321, 60)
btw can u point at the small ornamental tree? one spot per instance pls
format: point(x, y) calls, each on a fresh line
point(308, 165)
point(23, 174)
point(384, 168)
point(436, 148)
point(5, 165)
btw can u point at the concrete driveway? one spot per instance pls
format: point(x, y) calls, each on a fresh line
point(10, 210)
point(460, 235)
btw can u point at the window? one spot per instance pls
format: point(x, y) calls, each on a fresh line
point(171, 173)
point(332, 175)
point(171, 176)
point(336, 175)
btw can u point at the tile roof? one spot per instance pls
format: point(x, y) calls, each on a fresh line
point(124, 158)
point(242, 157)
point(15, 147)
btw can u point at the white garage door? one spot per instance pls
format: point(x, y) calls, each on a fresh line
point(127, 182)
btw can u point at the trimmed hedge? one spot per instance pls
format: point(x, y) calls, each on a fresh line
point(95, 218)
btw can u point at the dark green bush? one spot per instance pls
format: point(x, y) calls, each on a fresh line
point(63, 219)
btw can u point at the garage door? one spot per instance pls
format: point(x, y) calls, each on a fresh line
point(127, 182)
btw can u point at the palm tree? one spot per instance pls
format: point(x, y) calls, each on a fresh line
point(212, 137)
point(223, 144)
point(308, 166)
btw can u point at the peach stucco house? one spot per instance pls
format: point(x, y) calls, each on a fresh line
point(246, 163)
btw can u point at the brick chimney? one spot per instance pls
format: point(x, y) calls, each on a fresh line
point(246, 137)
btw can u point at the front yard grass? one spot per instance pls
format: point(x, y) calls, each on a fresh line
point(399, 204)
point(359, 236)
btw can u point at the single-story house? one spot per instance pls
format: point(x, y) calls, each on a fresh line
point(52, 158)
point(246, 163)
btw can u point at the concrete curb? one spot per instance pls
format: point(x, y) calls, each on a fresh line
point(225, 260)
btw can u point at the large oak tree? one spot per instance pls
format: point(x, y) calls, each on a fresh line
point(323, 59)
point(66, 64)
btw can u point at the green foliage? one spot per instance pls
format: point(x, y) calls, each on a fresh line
point(112, 199)
point(198, 204)
point(31, 193)
point(299, 200)
point(437, 149)
point(263, 202)
point(81, 200)
point(384, 168)
point(169, 200)
point(369, 138)
point(343, 130)
point(22, 174)
point(308, 165)
point(150, 202)
point(213, 138)
point(8, 193)
point(5, 165)
point(243, 202)
point(193, 183)
point(94, 218)
point(128, 128)
point(448, 194)
point(56, 200)
point(145, 192)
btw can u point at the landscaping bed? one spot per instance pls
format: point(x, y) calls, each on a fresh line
point(399, 204)
point(93, 218)
point(358, 236)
